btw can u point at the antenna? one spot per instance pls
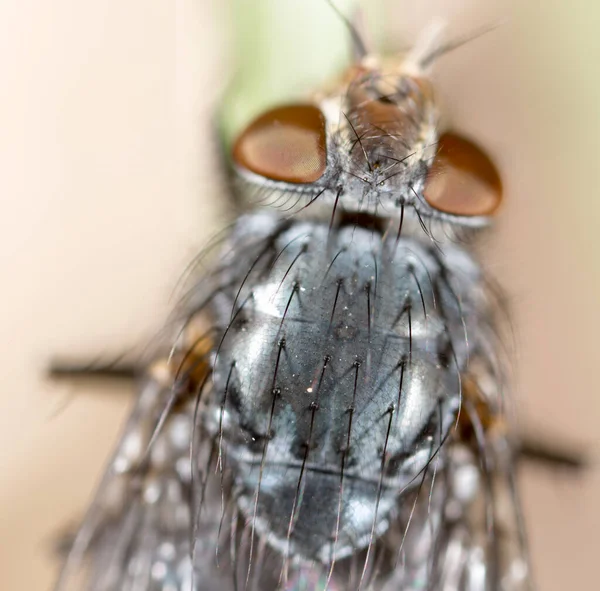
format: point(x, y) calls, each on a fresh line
point(444, 48)
point(359, 45)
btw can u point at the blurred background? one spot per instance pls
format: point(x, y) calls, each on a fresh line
point(109, 185)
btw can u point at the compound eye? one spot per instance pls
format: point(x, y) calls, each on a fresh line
point(285, 144)
point(462, 180)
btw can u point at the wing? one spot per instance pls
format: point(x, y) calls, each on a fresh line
point(137, 532)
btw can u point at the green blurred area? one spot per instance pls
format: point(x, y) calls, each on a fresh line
point(280, 49)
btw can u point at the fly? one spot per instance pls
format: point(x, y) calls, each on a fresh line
point(330, 410)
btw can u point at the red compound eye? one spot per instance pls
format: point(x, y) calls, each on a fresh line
point(462, 180)
point(285, 144)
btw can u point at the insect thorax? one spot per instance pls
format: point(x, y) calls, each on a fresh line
point(336, 376)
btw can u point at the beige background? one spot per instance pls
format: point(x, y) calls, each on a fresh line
point(107, 189)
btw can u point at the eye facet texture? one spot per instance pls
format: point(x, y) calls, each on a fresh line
point(462, 180)
point(285, 144)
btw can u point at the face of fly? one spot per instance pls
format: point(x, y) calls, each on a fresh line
point(369, 145)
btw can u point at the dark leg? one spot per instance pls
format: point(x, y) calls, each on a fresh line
point(117, 369)
point(552, 456)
